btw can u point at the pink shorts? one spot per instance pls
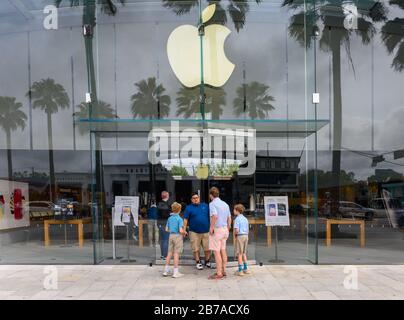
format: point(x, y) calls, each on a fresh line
point(217, 241)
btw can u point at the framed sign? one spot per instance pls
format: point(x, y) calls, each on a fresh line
point(125, 209)
point(276, 211)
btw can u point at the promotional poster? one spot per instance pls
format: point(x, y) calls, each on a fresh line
point(125, 209)
point(276, 211)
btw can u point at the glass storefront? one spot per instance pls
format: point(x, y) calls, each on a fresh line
point(296, 98)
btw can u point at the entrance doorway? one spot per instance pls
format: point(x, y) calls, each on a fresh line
point(120, 188)
point(278, 171)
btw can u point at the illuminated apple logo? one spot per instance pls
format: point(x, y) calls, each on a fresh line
point(184, 53)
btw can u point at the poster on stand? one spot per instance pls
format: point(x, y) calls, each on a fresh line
point(125, 209)
point(276, 211)
point(14, 205)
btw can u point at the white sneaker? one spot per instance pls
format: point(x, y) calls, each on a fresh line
point(177, 275)
point(199, 265)
point(166, 273)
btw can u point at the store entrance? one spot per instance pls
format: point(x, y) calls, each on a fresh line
point(126, 170)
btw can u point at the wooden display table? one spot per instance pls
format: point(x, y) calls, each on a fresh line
point(80, 228)
point(255, 222)
point(361, 224)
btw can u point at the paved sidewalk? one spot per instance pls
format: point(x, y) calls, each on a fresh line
point(144, 282)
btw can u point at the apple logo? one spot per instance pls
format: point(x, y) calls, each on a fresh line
point(184, 53)
point(202, 172)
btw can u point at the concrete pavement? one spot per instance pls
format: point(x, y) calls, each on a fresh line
point(144, 282)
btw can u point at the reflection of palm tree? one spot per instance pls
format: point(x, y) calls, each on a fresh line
point(393, 38)
point(334, 36)
point(49, 97)
point(89, 21)
point(255, 99)
point(237, 9)
point(150, 102)
point(89, 24)
point(188, 101)
point(11, 118)
point(104, 111)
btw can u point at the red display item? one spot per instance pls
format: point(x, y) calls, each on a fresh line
point(2, 203)
point(18, 214)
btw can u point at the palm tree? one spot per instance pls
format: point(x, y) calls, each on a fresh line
point(393, 38)
point(11, 118)
point(49, 96)
point(330, 14)
point(188, 101)
point(255, 99)
point(89, 23)
point(104, 111)
point(236, 9)
point(149, 102)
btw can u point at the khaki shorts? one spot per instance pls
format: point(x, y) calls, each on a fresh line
point(199, 239)
point(175, 243)
point(241, 244)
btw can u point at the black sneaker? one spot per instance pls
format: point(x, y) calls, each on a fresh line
point(199, 265)
point(208, 264)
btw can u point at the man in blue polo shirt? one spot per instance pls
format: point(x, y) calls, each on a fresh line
point(196, 215)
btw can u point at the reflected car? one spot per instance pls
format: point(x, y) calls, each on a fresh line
point(353, 210)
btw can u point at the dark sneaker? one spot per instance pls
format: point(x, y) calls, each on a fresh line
point(208, 264)
point(199, 265)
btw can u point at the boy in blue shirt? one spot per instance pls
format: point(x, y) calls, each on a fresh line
point(175, 226)
point(241, 228)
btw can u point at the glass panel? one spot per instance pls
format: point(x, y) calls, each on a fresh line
point(40, 165)
point(258, 96)
point(312, 45)
point(360, 152)
point(328, 158)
